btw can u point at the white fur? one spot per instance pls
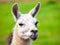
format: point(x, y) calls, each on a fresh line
point(24, 31)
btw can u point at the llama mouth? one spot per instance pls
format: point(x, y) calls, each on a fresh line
point(33, 37)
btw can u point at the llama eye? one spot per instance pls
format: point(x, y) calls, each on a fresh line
point(21, 24)
point(36, 23)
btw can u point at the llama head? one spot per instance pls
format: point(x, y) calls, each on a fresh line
point(26, 23)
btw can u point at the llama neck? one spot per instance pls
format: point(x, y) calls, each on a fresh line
point(18, 41)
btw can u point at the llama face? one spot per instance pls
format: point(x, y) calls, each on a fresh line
point(26, 23)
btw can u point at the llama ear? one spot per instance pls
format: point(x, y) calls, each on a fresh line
point(15, 11)
point(35, 9)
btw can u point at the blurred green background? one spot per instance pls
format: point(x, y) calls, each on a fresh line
point(48, 16)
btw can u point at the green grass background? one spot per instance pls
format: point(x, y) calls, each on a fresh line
point(48, 26)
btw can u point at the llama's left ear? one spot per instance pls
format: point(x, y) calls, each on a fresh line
point(15, 11)
point(35, 10)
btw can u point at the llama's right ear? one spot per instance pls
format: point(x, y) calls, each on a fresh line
point(15, 11)
point(35, 10)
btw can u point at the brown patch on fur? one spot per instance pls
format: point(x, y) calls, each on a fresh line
point(9, 40)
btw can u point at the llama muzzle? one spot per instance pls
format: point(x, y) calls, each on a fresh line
point(34, 34)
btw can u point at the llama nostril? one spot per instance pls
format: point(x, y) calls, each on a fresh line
point(34, 31)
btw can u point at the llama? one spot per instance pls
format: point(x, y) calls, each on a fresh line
point(25, 29)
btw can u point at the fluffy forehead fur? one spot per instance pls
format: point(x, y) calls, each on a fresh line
point(26, 18)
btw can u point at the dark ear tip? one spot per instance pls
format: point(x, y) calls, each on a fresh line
point(38, 3)
point(15, 5)
point(38, 6)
